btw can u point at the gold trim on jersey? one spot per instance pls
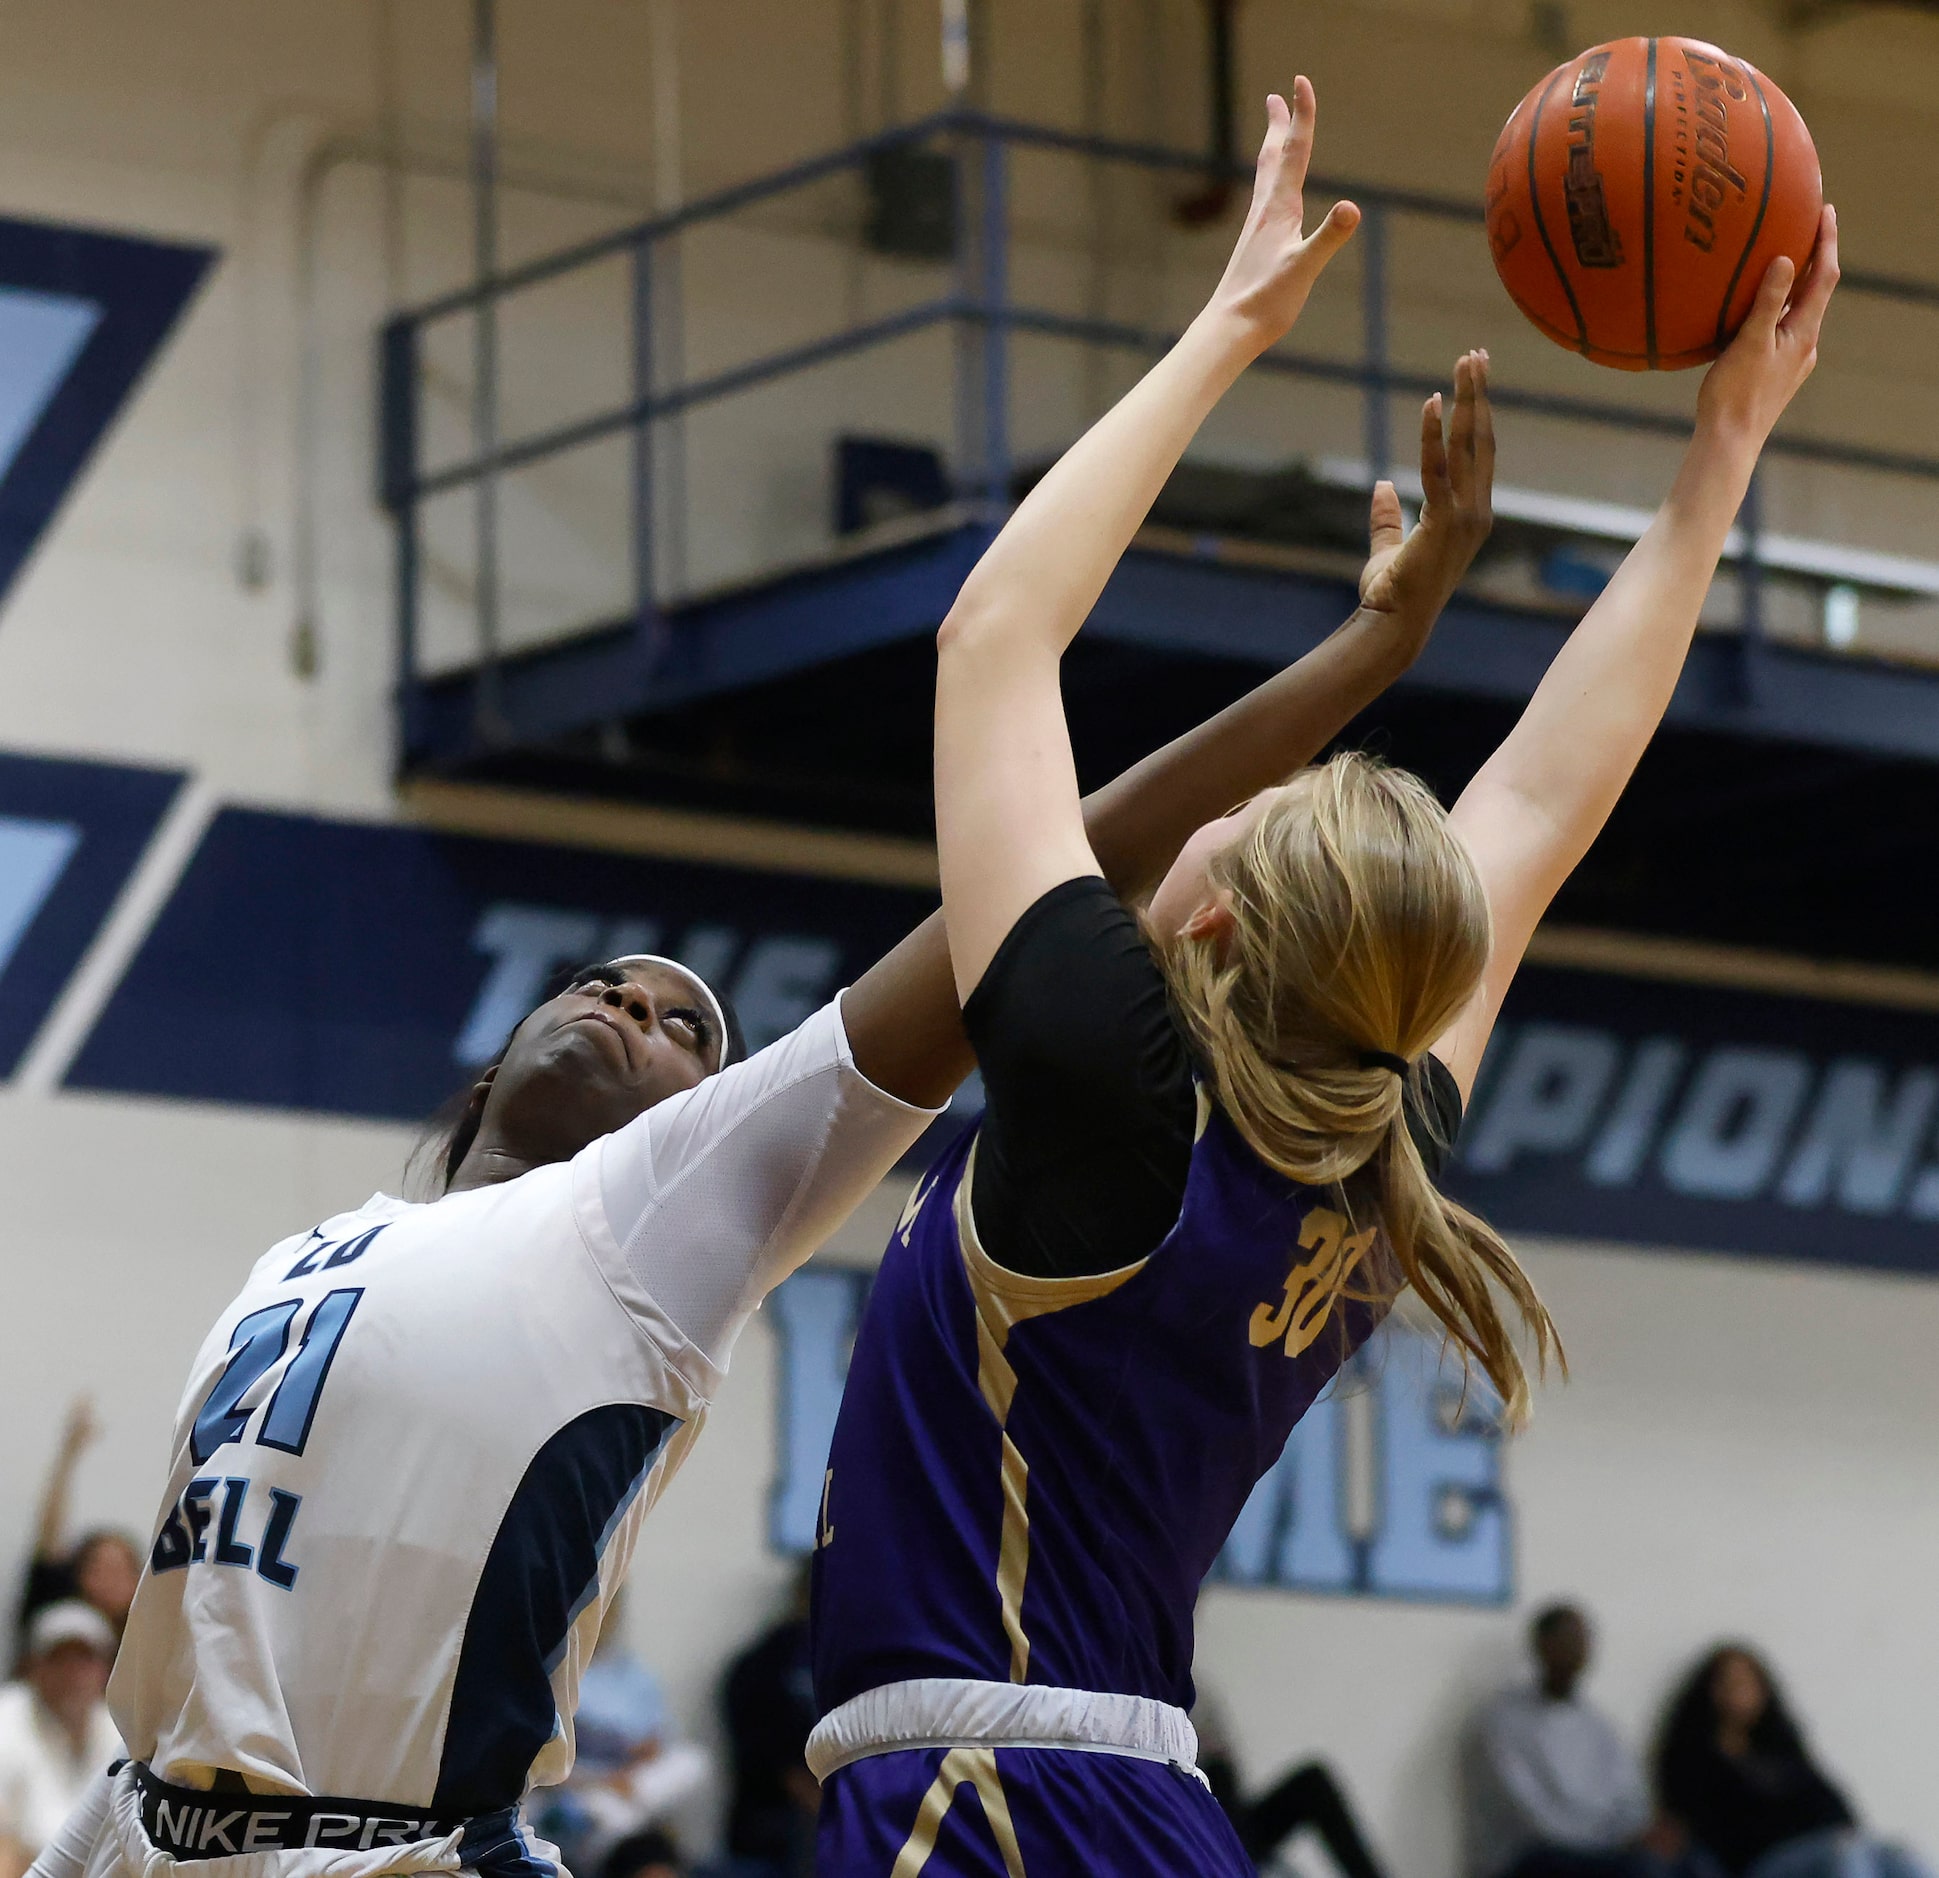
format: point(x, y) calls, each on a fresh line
point(973, 1767)
point(1013, 1555)
point(1003, 1300)
point(1010, 1298)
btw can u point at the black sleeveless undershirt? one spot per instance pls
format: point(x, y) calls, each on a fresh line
point(1087, 1077)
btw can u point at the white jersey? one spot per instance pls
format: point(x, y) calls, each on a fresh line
point(414, 1452)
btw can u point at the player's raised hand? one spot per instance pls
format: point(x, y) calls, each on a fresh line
point(1777, 345)
point(1413, 576)
point(1276, 262)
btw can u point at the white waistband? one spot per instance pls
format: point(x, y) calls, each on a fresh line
point(947, 1712)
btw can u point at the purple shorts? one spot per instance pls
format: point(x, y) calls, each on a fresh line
point(1021, 1813)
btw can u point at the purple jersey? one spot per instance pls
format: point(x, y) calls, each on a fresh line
point(1031, 1477)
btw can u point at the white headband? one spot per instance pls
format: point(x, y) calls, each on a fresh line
point(700, 984)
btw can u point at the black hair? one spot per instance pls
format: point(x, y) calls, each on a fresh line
point(453, 1127)
point(639, 1850)
point(1690, 1724)
point(1551, 1617)
point(448, 1135)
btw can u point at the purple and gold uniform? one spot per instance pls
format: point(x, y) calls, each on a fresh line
point(1029, 1480)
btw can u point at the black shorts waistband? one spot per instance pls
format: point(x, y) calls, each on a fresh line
point(194, 1822)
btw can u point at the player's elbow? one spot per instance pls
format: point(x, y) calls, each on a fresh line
point(972, 627)
point(954, 630)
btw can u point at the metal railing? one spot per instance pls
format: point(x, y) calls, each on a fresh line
point(985, 317)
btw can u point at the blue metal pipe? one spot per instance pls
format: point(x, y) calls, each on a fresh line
point(701, 209)
point(1123, 337)
point(397, 377)
point(1373, 336)
point(994, 255)
point(645, 611)
point(1112, 333)
point(1010, 131)
point(587, 430)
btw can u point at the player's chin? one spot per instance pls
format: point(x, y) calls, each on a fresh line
point(592, 1089)
point(590, 1054)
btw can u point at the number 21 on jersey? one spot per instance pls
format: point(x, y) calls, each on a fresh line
point(256, 1345)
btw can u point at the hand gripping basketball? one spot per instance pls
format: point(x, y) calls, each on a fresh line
point(1276, 262)
point(1777, 347)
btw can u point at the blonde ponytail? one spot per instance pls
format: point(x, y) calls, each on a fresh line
point(1359, 931)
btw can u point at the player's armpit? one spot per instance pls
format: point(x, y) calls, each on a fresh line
point(713, 1196)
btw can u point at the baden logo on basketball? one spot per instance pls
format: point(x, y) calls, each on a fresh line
point(1718, 84)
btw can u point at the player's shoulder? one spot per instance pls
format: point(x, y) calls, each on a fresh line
point(328, 1238)
point(816, 1046)
point(788, 1083)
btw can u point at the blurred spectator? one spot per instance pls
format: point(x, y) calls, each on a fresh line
point(55, 1735)
point(769, 1703)
point(1733, 1771)
point(1307, 1796)
point(644, 1855)
point(102, 1567)
point(630, 1772)
point(1554, 1790)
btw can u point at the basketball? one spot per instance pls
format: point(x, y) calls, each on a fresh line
point(1637, 195)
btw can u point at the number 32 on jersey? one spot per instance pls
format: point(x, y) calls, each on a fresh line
point(1313, 1283)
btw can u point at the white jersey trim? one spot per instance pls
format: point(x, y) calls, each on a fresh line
point(953, 1712)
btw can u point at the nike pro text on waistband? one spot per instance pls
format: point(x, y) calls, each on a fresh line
point(192, 1823)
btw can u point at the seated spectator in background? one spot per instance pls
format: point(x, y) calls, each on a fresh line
point(102, 1567)
point(1733, 1772)
point(630, 1772)
point(55, 1735)
point(1554, 1791)
point(768, 1701)
point(1307, 1796)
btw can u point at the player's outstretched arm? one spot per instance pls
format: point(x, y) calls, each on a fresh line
point(1531, 812)
point(1008, 820)
point(903, 1019)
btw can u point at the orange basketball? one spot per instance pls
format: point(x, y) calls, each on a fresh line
point(1639, 192)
